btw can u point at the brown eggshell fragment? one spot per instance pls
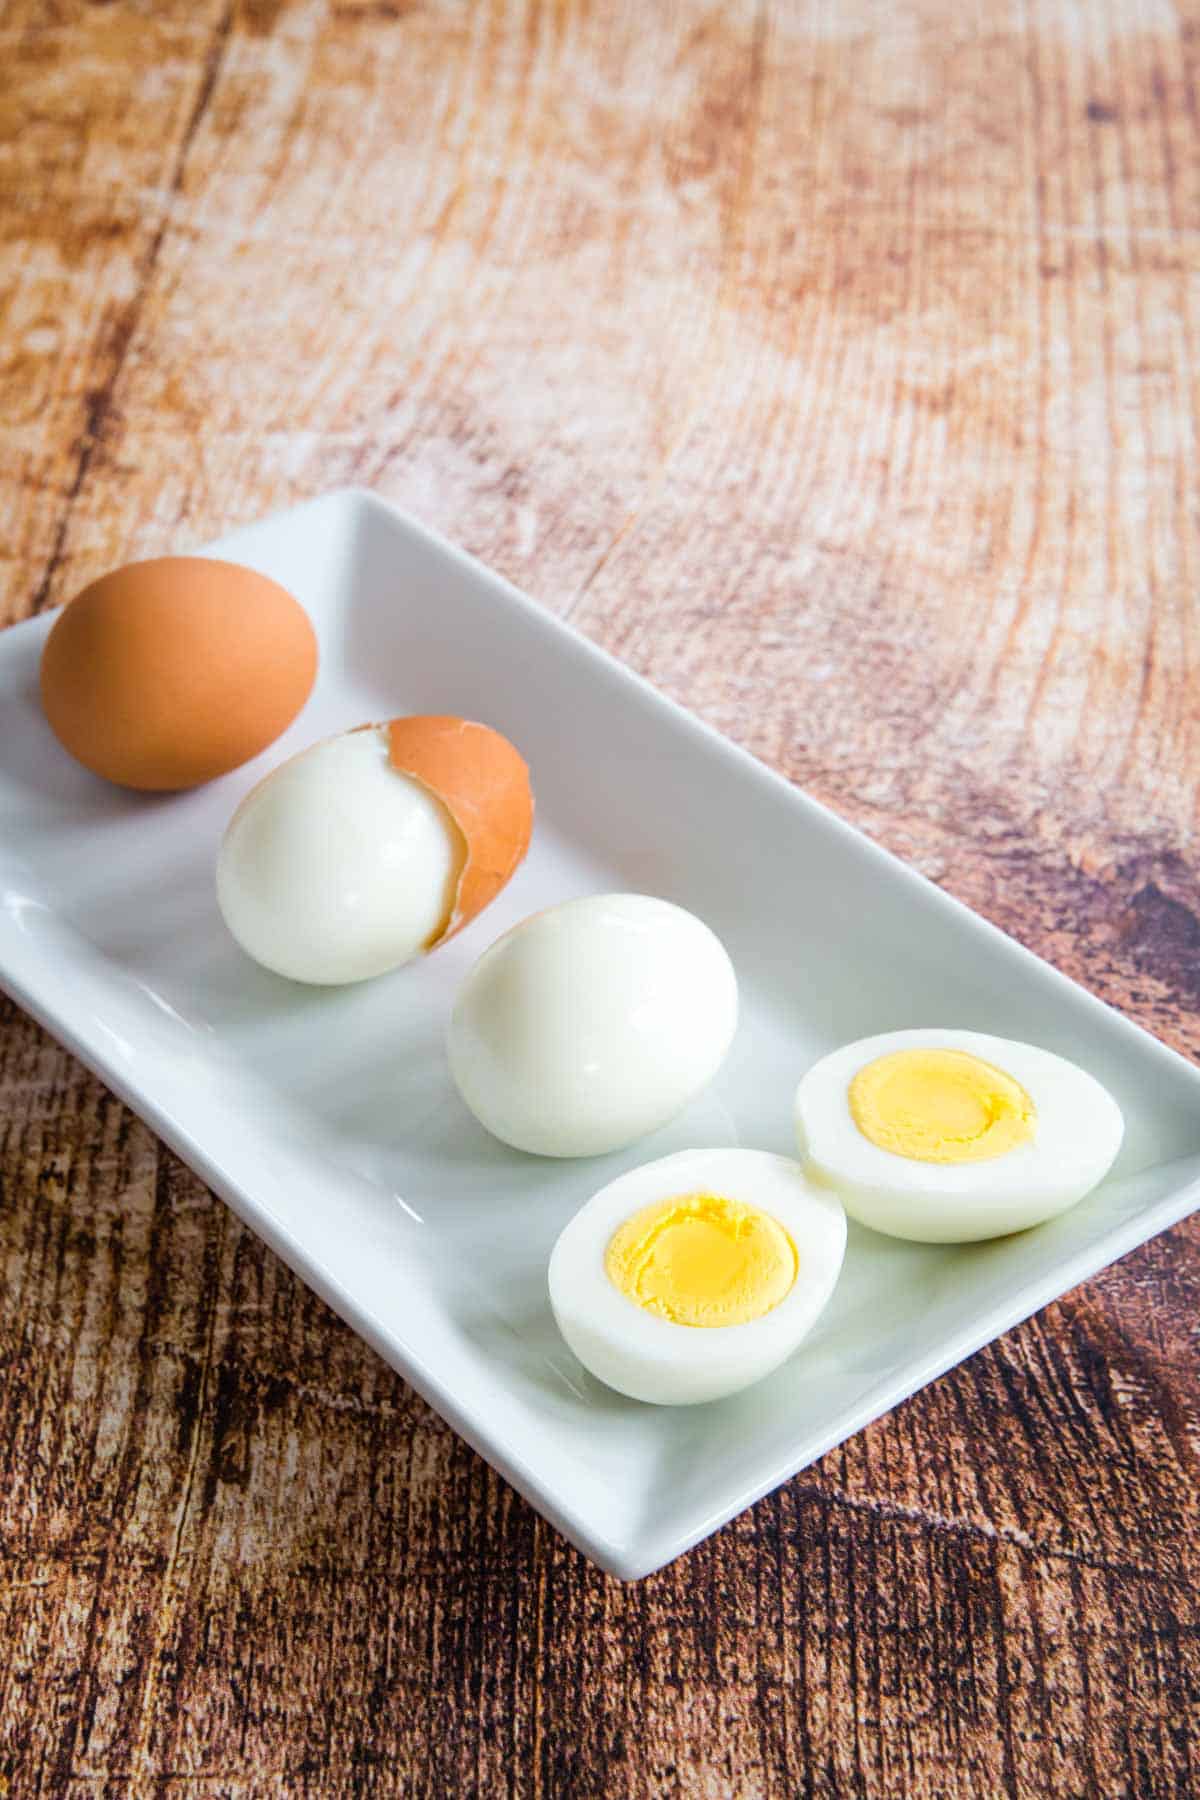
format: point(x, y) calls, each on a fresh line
point(483, 782)
point(167, 673)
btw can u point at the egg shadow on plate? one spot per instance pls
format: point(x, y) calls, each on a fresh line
point(692, 1441)
point(377, 1106)
point(522, 1337)
point(492, 1215)
point(521, 1334)
point(133, 921)
point(164, 930)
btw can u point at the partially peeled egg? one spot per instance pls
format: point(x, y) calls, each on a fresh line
point(372, 847)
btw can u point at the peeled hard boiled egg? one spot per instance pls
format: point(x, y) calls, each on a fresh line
point(693, 1276)
point(167, 673)
point(368, 848)
point(949, 1136)
point(593, 1023)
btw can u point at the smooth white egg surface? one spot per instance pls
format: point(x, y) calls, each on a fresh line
point(337, 867)
point(693, 1276)
point(950, 1136)
point(593, 1023)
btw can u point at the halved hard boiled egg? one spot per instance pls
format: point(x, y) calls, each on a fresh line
point(592, 1023)
point(950, 1136)
point(371, 847)
point(693, 1276)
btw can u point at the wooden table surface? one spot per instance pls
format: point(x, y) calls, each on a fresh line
point(835, 364)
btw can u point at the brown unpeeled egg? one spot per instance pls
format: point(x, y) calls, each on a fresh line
point(167, 673)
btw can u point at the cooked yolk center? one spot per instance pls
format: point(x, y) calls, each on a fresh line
point(941, 1106)
point(702, 1259)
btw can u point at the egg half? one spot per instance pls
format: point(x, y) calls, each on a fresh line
point(693, 1276)
point(592, 1023)
point(950, 1136)
point(369, 848)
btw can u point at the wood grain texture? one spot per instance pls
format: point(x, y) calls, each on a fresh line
point(835, 365)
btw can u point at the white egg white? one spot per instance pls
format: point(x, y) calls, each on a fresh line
point(1078, 1133)
point(651, 1358)
point(337, 866)
point(592, 1023)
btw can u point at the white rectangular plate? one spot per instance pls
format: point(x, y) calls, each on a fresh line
point(327, 1120)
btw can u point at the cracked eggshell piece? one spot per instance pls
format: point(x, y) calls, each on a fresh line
point(483, 782)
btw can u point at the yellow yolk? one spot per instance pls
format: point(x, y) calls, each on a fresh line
point(941, 1106)
point(703, 1260)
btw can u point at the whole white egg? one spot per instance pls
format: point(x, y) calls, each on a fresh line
point(689, 1278)
point(593, 1023)
point(950, 1136)
point(337, 867)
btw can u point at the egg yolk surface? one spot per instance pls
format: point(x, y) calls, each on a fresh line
point(702, 1260)
point(941, 1106)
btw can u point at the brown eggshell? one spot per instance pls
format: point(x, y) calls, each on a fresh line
point(483, 782)
point(167, 673)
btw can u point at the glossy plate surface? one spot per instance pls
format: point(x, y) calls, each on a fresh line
point(327, 1120)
